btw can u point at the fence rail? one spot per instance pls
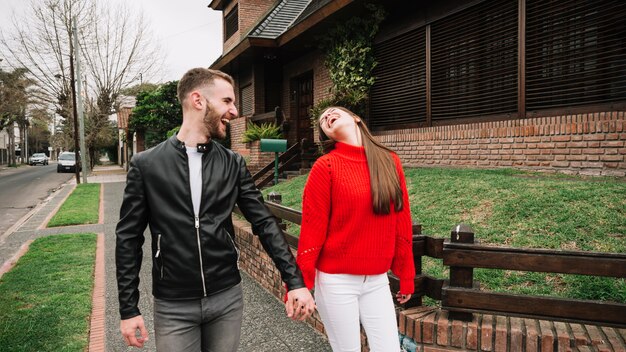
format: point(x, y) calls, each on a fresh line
point(460, 295)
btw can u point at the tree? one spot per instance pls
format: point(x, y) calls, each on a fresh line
point(39, 133)
point(115, 48)
point(156, 113)
point(13, 103)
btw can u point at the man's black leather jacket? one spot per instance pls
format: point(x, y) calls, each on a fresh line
point(191, 257)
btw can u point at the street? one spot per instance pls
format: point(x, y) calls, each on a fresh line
point(22, 188)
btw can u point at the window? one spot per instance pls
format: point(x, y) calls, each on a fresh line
point(575, 53)
point(231, 22)
point(474, 61)
point(247, 106)
point(398, 96)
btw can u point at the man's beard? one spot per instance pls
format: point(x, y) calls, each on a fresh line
point(213, 123)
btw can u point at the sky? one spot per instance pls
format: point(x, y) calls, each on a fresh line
point(188, 31)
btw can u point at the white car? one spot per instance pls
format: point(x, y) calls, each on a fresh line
point(67, 162)
point(38, 158)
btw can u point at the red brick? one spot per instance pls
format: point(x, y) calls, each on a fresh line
point(547, 336)
point(614, 339)
point(428, 328)
point(486, 333)
point(402, 323)
point(442, 329)
point(517, 335)
point(501, 332)
point(594, 334)
point(472, 335)
point(417, 331)
point(457, 334)
point(563, 337)
point(532, 335)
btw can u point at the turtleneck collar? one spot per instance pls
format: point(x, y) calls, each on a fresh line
point(350, 151)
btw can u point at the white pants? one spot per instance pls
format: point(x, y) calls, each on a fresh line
point(343, 300)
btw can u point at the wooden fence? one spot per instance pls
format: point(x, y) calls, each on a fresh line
point(460, 295)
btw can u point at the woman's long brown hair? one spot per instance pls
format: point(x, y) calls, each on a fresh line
point(384, 178)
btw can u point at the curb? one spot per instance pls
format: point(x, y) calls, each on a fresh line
point(9, 264)
point(97, 325)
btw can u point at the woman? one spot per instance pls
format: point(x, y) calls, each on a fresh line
point(356, 225)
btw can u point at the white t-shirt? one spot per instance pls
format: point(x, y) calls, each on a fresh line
point(195, 177)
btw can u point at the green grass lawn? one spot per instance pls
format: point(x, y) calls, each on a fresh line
point(518, 209)
point(81, 207)
point(45, 300)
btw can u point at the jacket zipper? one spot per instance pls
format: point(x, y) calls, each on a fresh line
point(158, 253)
point(236, 249)
point(197, 223)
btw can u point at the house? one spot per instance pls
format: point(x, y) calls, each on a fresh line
point(531, 84)
point(127, 142)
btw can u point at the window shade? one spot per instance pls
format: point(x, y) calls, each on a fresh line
point(474, 60)
point(398, 96)
point(575, 53)
point(247, 100)
point(231, 22)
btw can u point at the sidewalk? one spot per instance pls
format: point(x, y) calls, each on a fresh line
point(265, 326)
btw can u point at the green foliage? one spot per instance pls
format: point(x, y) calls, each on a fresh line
point(350, 60)
point(45, 301)
point(138, 89)
point(264, 131)
point(81, 207)
point(157, 111)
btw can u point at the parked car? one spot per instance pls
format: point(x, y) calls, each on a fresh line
point(38, 158)
point(67, 162)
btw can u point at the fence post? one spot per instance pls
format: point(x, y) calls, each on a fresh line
point(278, 199)
point(461, 276)
point(418, 249)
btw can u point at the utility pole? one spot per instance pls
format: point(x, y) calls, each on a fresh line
point(74, 109)
point(83, 156)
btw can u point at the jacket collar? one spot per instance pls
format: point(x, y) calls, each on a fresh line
point(180, 145)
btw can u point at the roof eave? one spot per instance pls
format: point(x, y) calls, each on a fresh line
point(243, 47)
point(217, 5)
point(313, 19)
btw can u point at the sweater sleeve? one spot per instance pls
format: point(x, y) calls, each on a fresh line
point(402, 265)
point(315, 218)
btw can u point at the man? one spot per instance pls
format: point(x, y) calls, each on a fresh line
point(185, 189)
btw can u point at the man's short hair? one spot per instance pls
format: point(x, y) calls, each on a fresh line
point(199, 77)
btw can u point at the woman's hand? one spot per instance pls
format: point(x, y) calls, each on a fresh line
point(402, 298)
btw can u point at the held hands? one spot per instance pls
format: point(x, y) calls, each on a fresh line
point(402, 298)
point(300, 304)
point(129, 328)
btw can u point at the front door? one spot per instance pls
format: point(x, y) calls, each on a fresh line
point(302, 86)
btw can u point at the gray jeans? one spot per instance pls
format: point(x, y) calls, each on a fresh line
point(210, 324)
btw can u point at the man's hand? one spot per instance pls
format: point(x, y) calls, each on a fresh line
point(129, 328)
point(300, 304)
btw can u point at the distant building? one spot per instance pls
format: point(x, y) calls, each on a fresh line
point(4, 147)
point(127, 143)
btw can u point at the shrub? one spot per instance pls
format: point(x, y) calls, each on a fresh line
point(257, 132)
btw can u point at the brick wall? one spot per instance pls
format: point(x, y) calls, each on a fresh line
point(258, 159)
point(250, 13)
point(586, 144)
point(237, 128)
point(428, 329)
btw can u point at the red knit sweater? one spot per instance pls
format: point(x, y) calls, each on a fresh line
point(340, 232)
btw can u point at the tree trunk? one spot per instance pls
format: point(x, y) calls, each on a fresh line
point(11, 158)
